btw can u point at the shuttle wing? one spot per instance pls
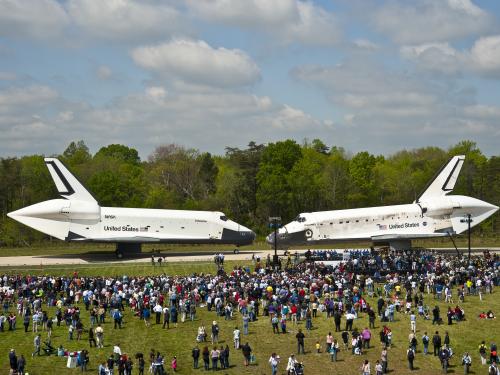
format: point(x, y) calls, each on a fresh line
point(444, 181)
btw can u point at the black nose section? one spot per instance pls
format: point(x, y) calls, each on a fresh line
point(283, 239)
point(240, 238)
point(270, 239)
point(287, 239)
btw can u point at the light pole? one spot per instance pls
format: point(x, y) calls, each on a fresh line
point(468, 231)
point(275, 223)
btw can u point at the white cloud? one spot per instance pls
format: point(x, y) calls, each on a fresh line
point(156, 93)
point(40, 121)
point(8, 76)
point(288, 21)
point(484, 112)
point(365, 44)
point(127, 20)
point(428, 21)
point(483, 58)
point(198, 63)
point(37, 19)
point(32, 95)
point(104, 72)
point(382, 108)
point(438, 57)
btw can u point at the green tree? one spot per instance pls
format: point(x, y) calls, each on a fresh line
point(120, 152)
point(336, 179)
point(306, 182)
point(471, 180)
point(363, 188)
point(76, 153)
point(237, 183)
point(277, 161)
point(207, 174)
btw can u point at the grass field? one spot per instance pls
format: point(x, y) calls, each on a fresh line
point(120, 269)
point(135, 337)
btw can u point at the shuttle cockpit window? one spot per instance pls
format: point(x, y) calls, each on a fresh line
point(300, 219)
point(223, 218)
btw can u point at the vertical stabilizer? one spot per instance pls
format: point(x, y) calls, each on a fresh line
point(67, 185)
point(445, 180)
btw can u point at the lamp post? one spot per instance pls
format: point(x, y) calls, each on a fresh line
point(468, 231)
point(275, 223)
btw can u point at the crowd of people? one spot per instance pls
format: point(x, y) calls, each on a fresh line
point(396, 281)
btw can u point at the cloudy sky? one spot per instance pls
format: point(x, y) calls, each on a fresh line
point(366, 75)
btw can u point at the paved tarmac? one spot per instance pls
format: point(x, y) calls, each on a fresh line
point(96, 258)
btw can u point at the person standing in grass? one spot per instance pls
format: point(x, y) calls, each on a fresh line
point(173, 314)
point(37, 341)
point(21, 364)
point(329, 341)
point(166, 317)
point(99, 333)
point(146, 315)
point(215, 332)
point(345, 339)
point(173, 365)
point(300, 341)
point(365, 368)
point(410, 355)
point(334, 349)
point(436, 343)
point(236, 338)
point(140, 363)
point(413, 322)
point(26, 321)
point(157, 310)
point(444, 356)
point(425, 342)
point(246, 320)
point(195, 353)
point(366, 335)
point(482, 352)
point(466, 362)
point(274, 361)
point(247, 352)
point(275, 324)
point(84, 360)
point(206, 358)
point(226, 356)
point(384, 360)
point(214, 355)
point(222, 358)
point(91, 338)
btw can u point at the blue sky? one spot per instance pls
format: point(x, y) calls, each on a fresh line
point(378, 76)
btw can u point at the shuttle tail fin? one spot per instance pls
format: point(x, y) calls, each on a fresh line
point(445, 179)
point(67, 185)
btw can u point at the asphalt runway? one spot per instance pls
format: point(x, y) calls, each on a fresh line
point(96, 258)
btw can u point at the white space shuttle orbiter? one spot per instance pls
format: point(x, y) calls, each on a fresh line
point(433, 214)
point(78, 217)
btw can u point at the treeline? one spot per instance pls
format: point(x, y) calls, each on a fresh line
point(249, 185)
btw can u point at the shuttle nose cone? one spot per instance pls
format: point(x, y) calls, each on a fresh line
point(270, 239)
point(26, 211)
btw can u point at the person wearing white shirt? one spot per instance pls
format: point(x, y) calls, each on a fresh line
point(413, 322)
point(274, 360)
point(117, 352)
point(236, 338)
point(290, 367)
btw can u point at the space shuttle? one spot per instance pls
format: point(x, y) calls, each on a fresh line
point(78, 217)
point(433, 214)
